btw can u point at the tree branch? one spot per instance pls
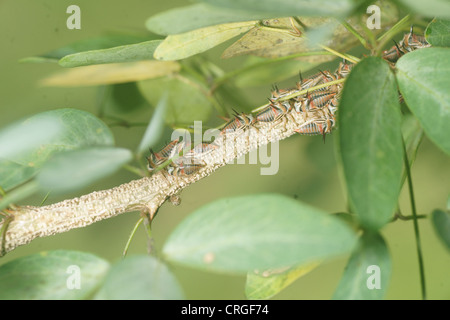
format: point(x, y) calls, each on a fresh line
point(146, 194)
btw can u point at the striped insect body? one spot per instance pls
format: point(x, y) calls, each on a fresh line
point(201, 149)
point(409, 42)
point(239, 122)
point(185, 166)
point(158, 158)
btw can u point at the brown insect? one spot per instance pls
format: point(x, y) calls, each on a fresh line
point(158, 158)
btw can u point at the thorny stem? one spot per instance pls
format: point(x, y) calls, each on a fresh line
point(416, 224)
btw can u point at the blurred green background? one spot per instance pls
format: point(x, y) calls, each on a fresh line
point(308, 169)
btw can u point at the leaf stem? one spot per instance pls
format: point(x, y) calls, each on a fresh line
point(355, 33)
point(342, 55)
point(136, 226)
point(134, 170)
point(416, 224)
point(399, 216)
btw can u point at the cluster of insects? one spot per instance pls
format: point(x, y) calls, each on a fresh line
point(410, 42)
point(318, 108)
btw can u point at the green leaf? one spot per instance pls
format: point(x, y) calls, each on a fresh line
point(423, 77)
point(97, 43)
point(438, 33)
point(429, 8)
point(441, 223)
point(126, 53)
point(75, 169)
point(276, 38)
point(111, 73)
point(368, 271)
point(140, 278)
point(155, 127)
point(256, 232)
point(287, 8)
point(12, 174)
point(370, 141)
point(24, 135)
point(77, 129)
point(197, 16)
point(52, 275)
point(186, 101)
point(183, 45)
point(266, 284)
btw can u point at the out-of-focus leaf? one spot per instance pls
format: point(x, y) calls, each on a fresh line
point(111, 73)
point(186, 102)
point(12, 174)
point(183, 45)
point(198, 16)
point(54, 275)
point(76, 169)
point(283, 8)
point(266, 284)
point(125, 53)
point(140, 278)
point(155, 127)
point(438, 33)
point(77, 129)
point(367, 274)
point(266, 231)
point(430, 8)
point(23, 136)
point(370, 141)
point(98, 43)
point(441, 223)
point(423, 77)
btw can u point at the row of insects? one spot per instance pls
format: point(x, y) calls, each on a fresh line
point(317, 107)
